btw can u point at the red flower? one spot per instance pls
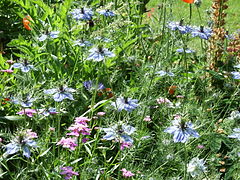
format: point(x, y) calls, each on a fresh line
point(189, 1)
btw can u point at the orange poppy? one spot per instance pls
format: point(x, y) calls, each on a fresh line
point(172, 89)
point(26, 22)
point(189, 1)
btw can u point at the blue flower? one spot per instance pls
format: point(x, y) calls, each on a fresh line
point(106, 13)
point(25, 67)
point(127, 104)
point(236, 75)
point(61, 93)
point(82, 14)
point(119, 133)
point(196, 167)
point(22, 142)
point(43, 37)
point(81, 43)
point(237, 66)
point(48, 112)
point(54, 34)
point(236, 134)
point(179, 26)
point(163, 73)
point(26, 102)
point(203, 33)
point(181, 50)
point(89, 85)
point(181, 131)
point(98, 54)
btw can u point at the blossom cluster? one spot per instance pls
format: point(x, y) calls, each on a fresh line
point(79, 127)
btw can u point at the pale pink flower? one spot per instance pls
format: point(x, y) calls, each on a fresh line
point(10, 61)
point(1, 140)
point(51, 129)
point(162, 100)
point(68, 143)
point(31, 134)
point(200, 146)
point(81, 120)
point(147, 118)
point(9, 71)
point(101, 113)
point(126, 173)
point(28, 112)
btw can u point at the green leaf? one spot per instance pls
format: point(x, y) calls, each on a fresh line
point(12, 118)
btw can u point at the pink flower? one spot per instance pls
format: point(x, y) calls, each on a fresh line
point(51, 129)
point(101, 113)
point(68, 172)
point(9, 71)
point(10, 62)
point(28, 112)
point(125, 145)
point(77, 129)
point(200, 146)
point(162, 100)
point(81, 120)
point(1, 140)
point(68, 143)
point(31, 134)
point(127, 173)
point(147, 118)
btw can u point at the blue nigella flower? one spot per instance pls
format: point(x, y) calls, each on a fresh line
point(163, 73)
point(127, 104)
point(236, 134)
point(81, 43)
point(43, 37)
point(181, 131)
point(106, 13)
point(119, 133)
point(179, 26)
point(54, 34)
point(25, 102)
point(25, 67)
point(203, 33)
point(48, 112)
point(23, 143)
point(237, 66)
point(89, 85)
point(98, 54)
point(82, 14)
point(181, 50)
point(235, 75)
point(61, 93)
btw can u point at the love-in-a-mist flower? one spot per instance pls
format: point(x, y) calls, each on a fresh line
point(196, 167)
point(127, 104)
point(26, 101)
point(82, 43)
point(22, 142)
point(235, 75)
point(54, 34)
point(119, 133)
point(61, 93)
point(82, 14)
point(27, 112)
point(106, 13)
point(163, 73)
point(68, 172)
point(236, 134)
point(99, 54)
point(181, 130)
point(203, 33)
point(25, 66)
point(188, 51)
point(91, 85)
point(47, 112)
point(69, 143)
point(179, 26)
point(126, 173)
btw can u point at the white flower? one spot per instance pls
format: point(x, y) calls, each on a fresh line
point(196, 166)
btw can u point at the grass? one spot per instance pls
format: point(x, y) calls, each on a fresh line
point(181, 10)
